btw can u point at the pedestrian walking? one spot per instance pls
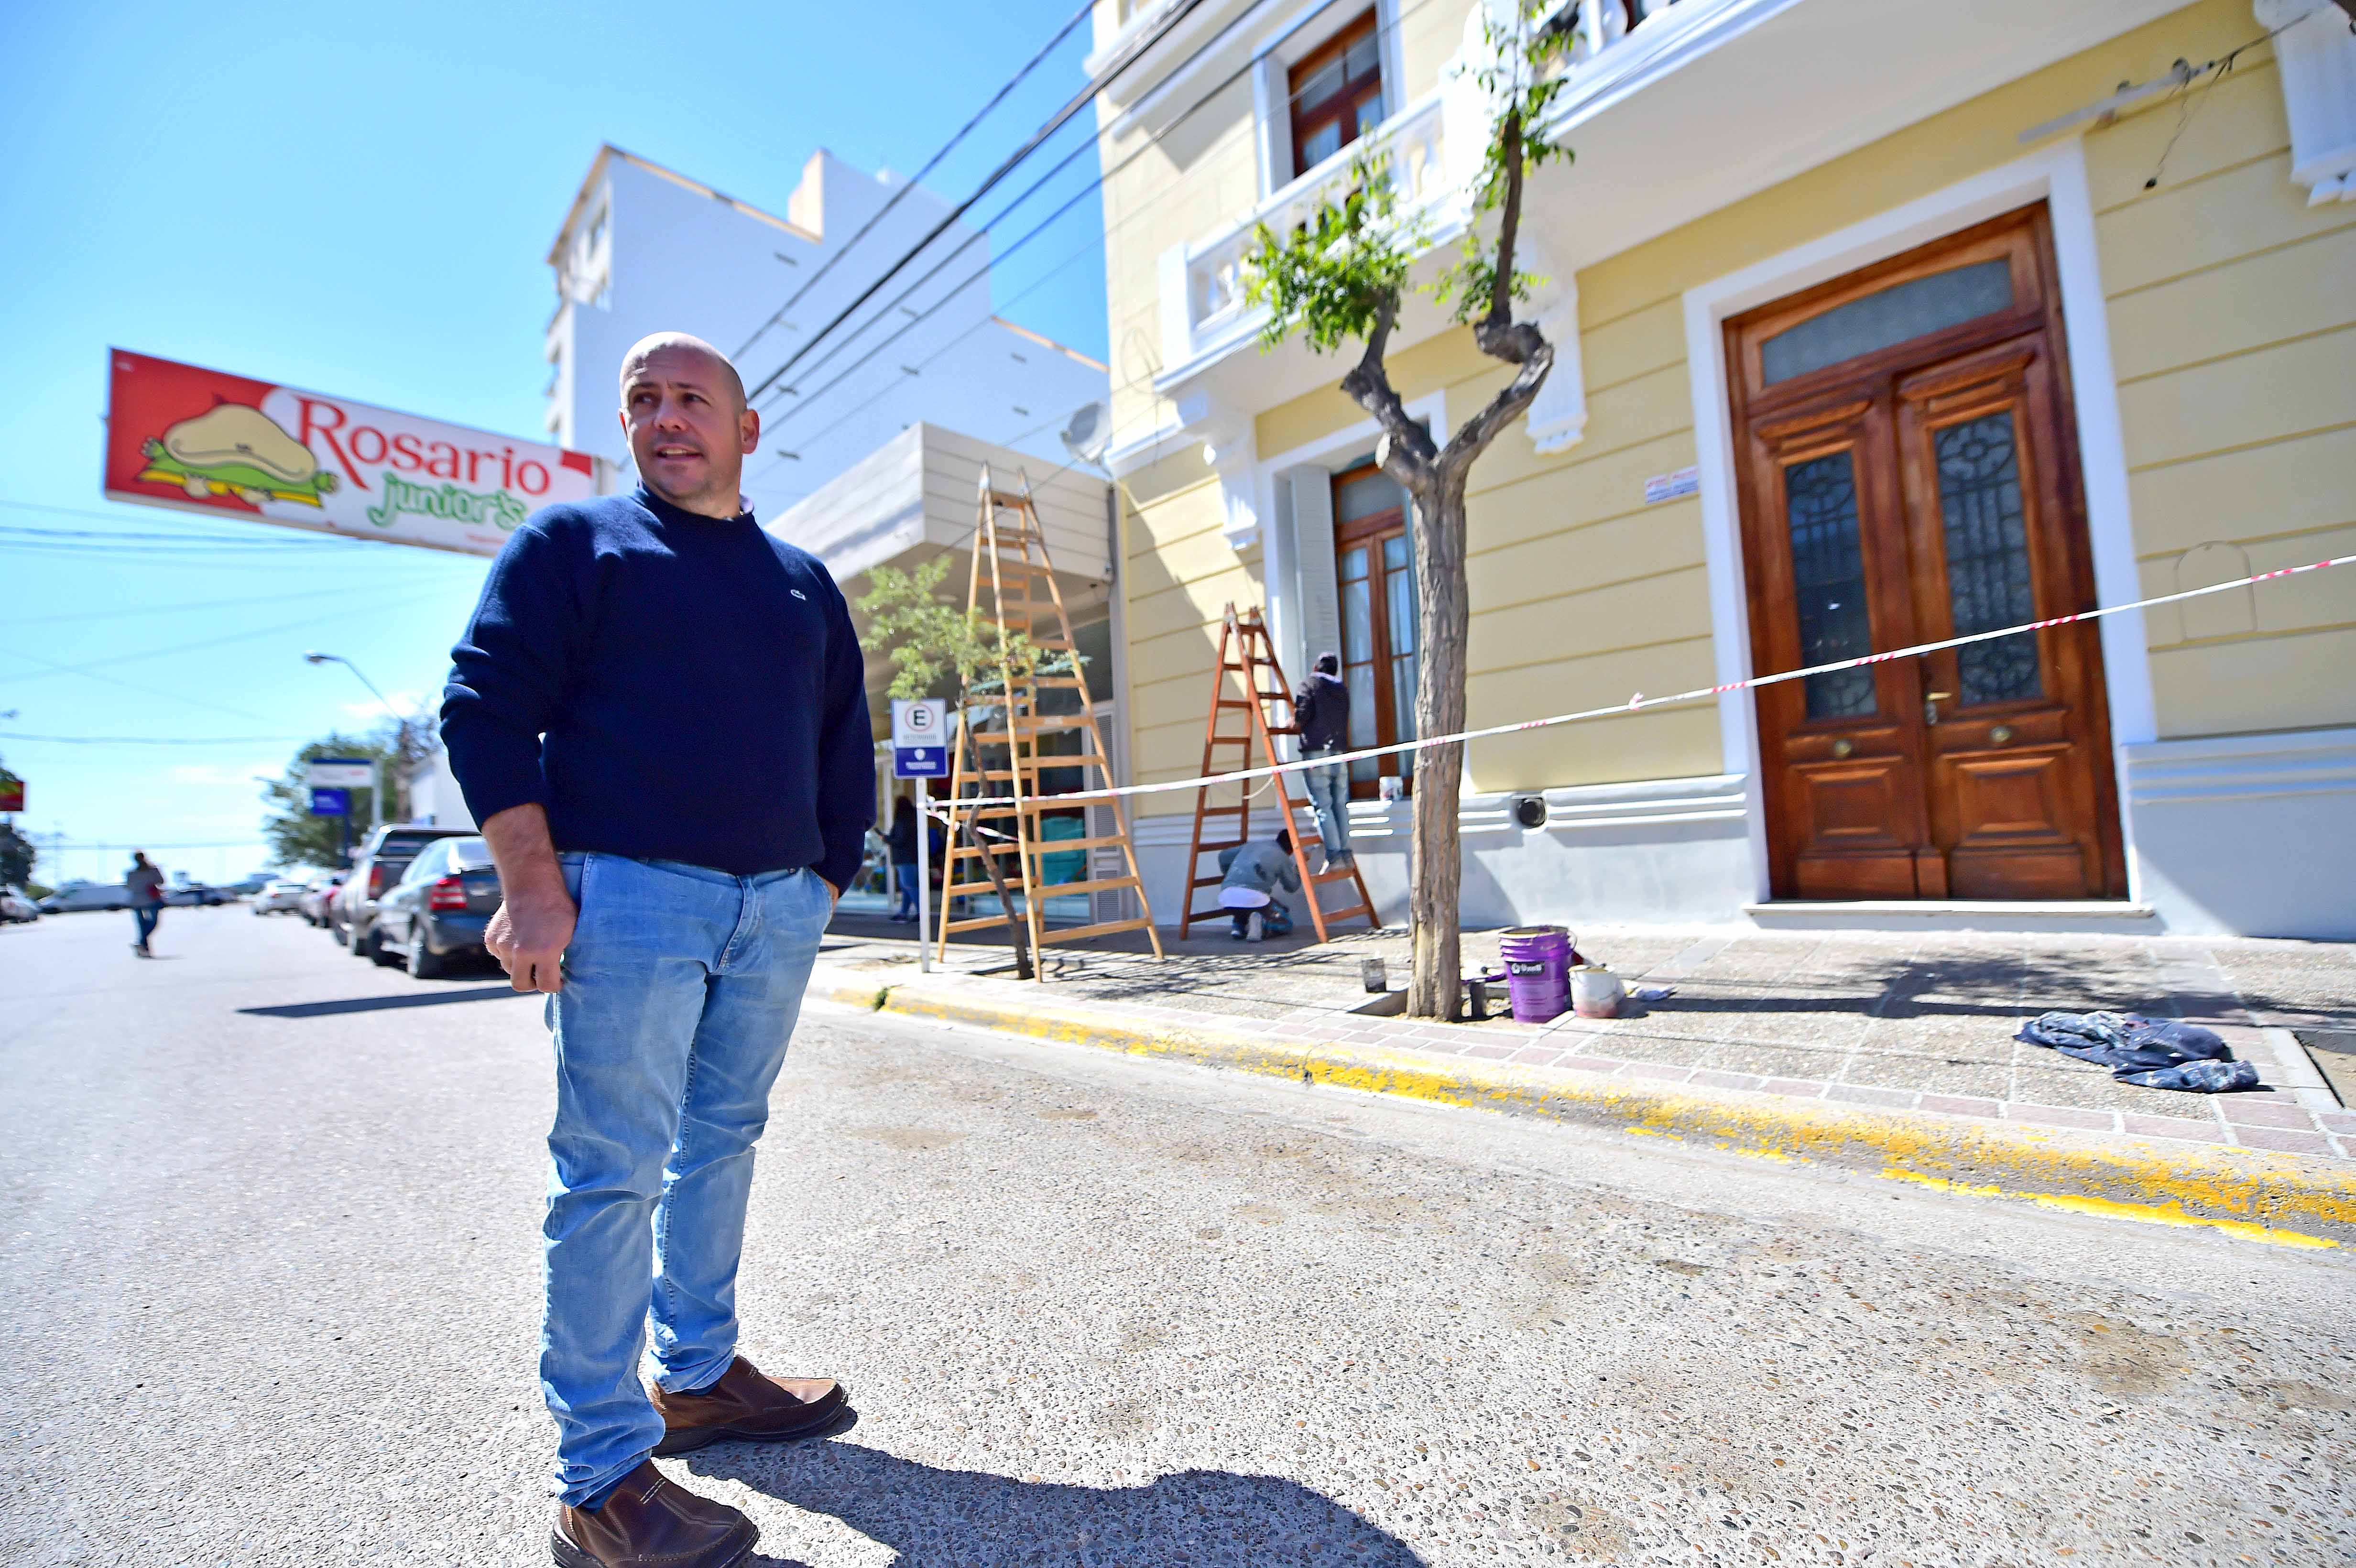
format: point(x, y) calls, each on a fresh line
point(658, 715)
point(1253, 874)
point(1322, 711)
point(145, 885)
point(904, 858)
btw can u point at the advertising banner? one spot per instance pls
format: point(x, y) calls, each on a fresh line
point(204, 441)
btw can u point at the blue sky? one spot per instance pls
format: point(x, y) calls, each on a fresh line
point(358, 199)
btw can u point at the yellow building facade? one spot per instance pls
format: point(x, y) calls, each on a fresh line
point(1879, 322)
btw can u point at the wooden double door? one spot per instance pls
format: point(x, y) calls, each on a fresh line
point(1909, 473)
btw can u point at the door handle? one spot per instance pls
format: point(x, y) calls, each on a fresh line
point(1931, 700)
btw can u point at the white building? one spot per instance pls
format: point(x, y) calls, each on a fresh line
point(645, 250)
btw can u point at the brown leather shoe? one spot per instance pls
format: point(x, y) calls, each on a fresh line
point(746, 1406)
point(648, 1521)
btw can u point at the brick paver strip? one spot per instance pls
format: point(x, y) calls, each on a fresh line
point(2062, 1116)
point(1805, 1088)
point(2173, 1127)
point(2336, 1122)
point(2283, 1140)
point(1654, 1069)
point(1965, 1106)
point(1860, 1094)
point(1718, 1079)
point(2266, 1111)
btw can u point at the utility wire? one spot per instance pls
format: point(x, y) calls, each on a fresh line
point(341, 613)
point(155, 740)
point(1082, 14)
point(1079, 100)
point(983, 272)
point(187, 604)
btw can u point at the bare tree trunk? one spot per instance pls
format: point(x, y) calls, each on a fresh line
point(1436, 984)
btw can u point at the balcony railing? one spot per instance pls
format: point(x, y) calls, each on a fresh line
point(1407, 147)
point(1204, 312)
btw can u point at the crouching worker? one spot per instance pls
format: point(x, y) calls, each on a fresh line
point(1254, 873)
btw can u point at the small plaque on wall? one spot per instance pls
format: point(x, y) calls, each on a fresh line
point(1669, 487)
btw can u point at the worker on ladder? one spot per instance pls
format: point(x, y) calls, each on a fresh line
point(1321, 710)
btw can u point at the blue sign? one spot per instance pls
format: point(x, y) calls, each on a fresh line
point(331, 803)
point(920, 762)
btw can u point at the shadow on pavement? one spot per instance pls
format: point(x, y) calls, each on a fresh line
point(964, 1519)
point(376, 1004)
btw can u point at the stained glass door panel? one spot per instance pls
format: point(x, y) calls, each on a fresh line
point(2015, 735)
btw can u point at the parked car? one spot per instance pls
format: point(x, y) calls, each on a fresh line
point(284, 896)
point(317, 894)
point(437, 910)
point(375, 870)
point(187, 895)
point(16, 905)
point(72, 897)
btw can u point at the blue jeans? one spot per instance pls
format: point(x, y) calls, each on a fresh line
point(1329, 795)
point(903, 877)
point(681, 986)
point(145, 916)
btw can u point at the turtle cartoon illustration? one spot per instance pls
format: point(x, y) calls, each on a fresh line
point(238, 451)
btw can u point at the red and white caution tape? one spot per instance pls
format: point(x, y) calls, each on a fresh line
point(1640, 702)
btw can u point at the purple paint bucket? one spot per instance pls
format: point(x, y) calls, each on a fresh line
point(1536, 961)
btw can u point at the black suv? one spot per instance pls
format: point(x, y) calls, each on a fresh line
point(379, 865)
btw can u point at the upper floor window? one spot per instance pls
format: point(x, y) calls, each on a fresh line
point(1336, 94)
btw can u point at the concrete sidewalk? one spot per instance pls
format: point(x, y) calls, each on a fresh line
point(1891, 1052)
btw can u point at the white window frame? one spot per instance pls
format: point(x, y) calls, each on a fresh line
point(1300, 35)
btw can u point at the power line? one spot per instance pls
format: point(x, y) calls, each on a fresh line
point(983, 272)
point(1082, 14)
point(15, 531)
point(156, 740)
point(341, 613)
point(1086, 96)
point(187, 604)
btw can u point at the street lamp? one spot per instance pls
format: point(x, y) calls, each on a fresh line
point(315, 656)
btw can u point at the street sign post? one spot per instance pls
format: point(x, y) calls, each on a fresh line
point(920, 751)
point(340, 772)
point(331, 803)
point(338, 776)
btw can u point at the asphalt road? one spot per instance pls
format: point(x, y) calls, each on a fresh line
point(270, 1236)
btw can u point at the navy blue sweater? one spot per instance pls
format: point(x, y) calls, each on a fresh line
point(669, 687)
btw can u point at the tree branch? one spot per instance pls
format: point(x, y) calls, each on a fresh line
point(1474, 436)
point(1501, 286)
point(1370, 384)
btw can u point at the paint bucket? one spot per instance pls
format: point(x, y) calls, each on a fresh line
point(1596, 992)
point(1536, 961)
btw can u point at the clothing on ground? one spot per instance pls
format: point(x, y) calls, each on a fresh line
point(669, 687)
point(2153, 1053)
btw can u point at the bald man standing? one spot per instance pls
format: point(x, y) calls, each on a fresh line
point(658, 715)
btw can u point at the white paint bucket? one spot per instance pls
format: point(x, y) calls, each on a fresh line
point(1595, 991)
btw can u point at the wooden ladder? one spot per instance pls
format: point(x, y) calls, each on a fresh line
point(1009, 548)
point(1244, 650)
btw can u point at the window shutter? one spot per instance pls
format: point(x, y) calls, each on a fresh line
point(1320, 619)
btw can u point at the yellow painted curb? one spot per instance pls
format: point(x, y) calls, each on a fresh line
point(2247, 1193)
